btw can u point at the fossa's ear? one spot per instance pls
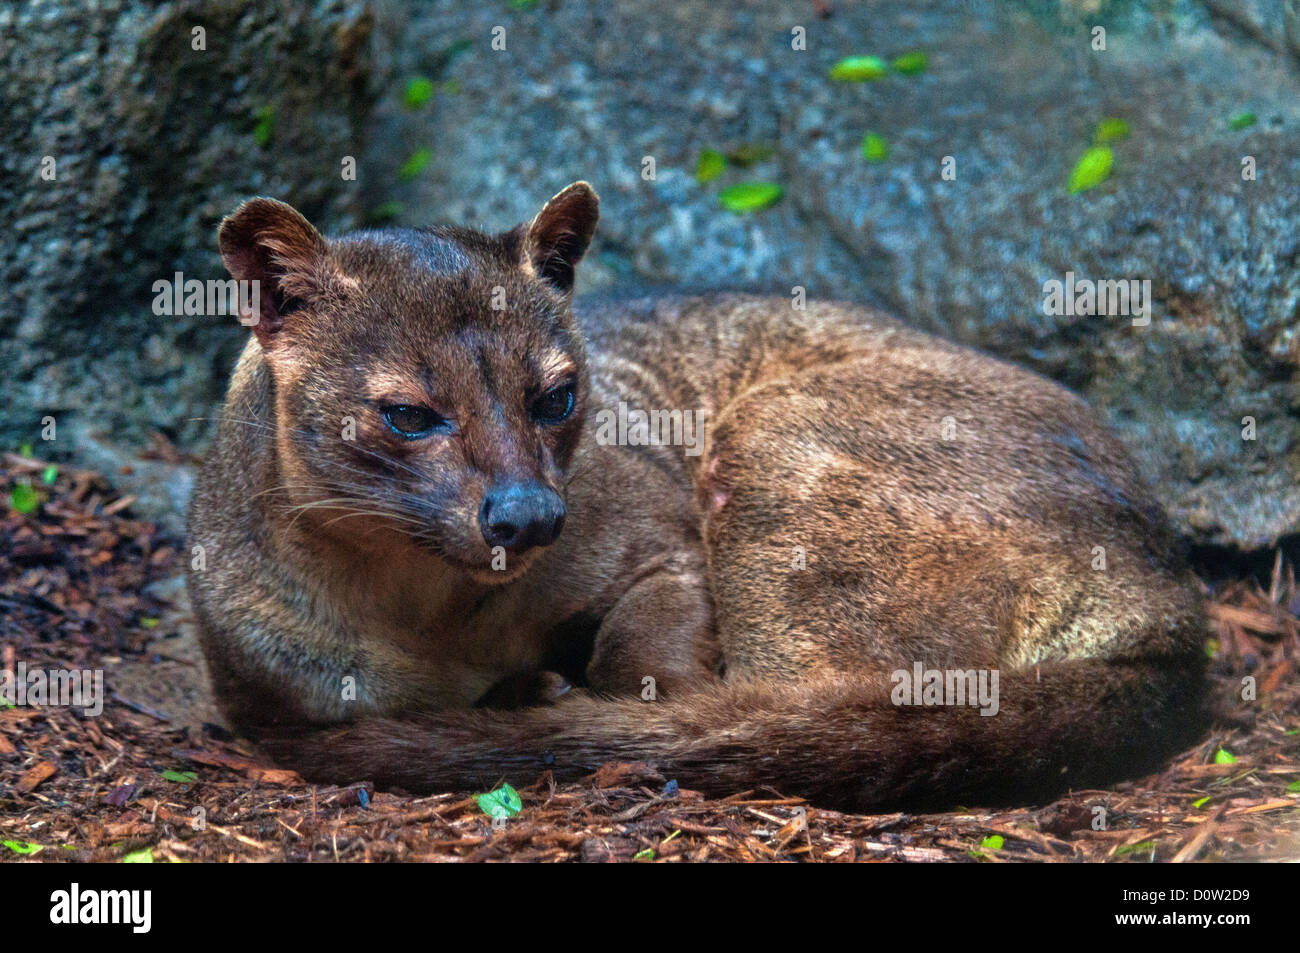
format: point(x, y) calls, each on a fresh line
point(270, 243)
point(558, 237)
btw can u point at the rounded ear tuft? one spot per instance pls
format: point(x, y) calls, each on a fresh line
point(558, 237)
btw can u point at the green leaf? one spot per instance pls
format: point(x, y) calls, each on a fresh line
point(21, 847)
point(709, 165)
point(448, 56)
point(1224, 756)
point(1293, 787)
point(180, 777)
point(1242, 120)
point(418, 92)
point(1093, 168)
point(1200, 802)
point(144, 856)
point(874, 148)
point(50, 474)
point(503, 802)
point(522, 4)
point(264, 128)
point(750, 154)
point(750, 196)
point(1291, 732)
point(415, 165)
point(23, 498)
point(1134, 848)
point(384, 212)
point(647, 854)
point(858, 69)
point(1110, 130)
point(25, 450)
point(149, 622)
point(992, 842)
point(911, 64)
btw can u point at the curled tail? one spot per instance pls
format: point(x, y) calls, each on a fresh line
point(840, 742)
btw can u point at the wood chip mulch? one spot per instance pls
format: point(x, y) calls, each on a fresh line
point(84, 585)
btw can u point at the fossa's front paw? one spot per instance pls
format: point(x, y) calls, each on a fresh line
point(527, 690)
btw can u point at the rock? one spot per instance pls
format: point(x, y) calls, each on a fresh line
point(1012, 92)
point(152, 142)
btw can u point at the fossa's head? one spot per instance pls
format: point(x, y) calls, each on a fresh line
point(430, 384)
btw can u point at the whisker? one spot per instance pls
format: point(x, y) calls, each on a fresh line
point(342, 502)
point(355, 513)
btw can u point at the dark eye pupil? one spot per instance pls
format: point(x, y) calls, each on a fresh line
point(408, 420)
point(555, 404)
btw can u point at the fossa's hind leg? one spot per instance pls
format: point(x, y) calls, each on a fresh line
point(661, 629)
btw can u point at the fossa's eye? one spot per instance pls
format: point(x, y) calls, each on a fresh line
point(412, 422)
point(555, 405)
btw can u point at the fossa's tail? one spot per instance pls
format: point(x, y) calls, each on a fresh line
point(841, 742)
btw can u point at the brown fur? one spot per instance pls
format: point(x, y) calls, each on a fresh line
point(867, 497)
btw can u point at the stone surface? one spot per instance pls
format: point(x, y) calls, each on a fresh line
point(153, 141)
point(1012, 92)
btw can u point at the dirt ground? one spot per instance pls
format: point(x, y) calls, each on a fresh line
point(154, 778)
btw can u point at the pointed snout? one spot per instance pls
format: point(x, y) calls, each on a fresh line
point(519, 516)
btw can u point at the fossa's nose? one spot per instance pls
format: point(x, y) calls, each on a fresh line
point(519, 516)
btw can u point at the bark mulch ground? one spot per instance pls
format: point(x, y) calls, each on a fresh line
point(84, 585)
